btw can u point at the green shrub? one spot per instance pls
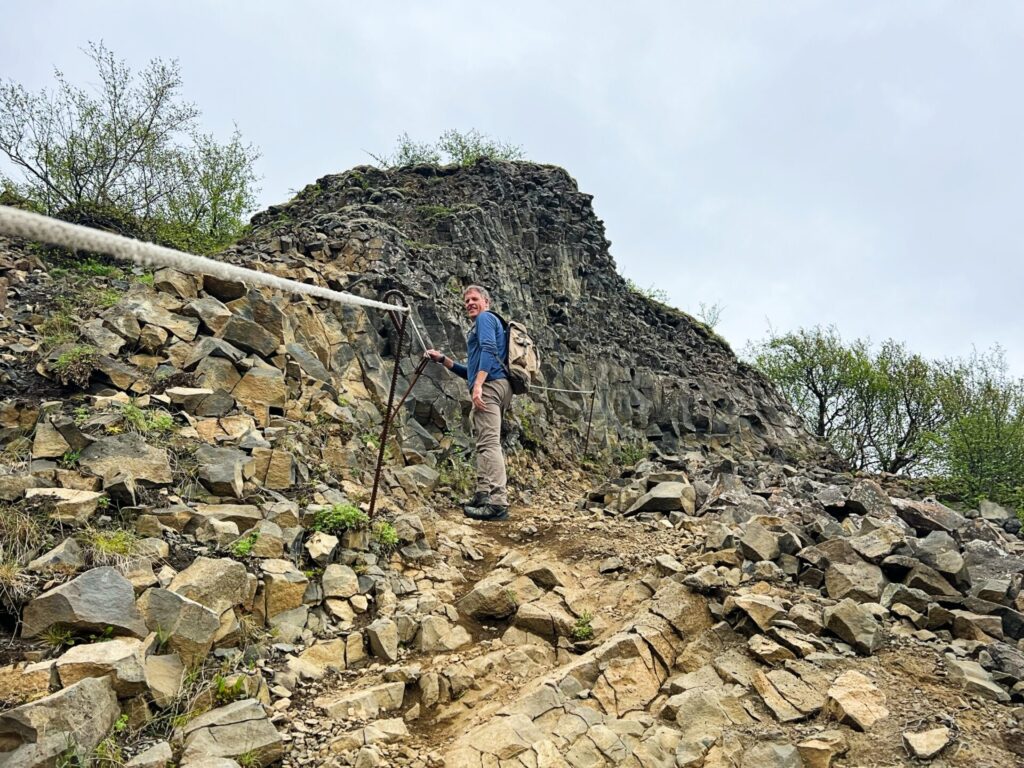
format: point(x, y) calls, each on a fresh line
point(385, 536)
point(339, 518)
point(75, 365)
point(243, 547)
point(582, 629)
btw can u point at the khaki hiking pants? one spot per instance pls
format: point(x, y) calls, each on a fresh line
point(490, 461)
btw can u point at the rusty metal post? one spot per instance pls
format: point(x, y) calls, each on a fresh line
point(590, 417)
point(400, 319)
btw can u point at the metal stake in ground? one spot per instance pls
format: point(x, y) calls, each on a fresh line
point(399, 317)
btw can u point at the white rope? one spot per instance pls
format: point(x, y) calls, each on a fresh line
point(44, 229)
point(569, 391)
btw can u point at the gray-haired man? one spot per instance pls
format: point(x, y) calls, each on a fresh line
point(491, 393)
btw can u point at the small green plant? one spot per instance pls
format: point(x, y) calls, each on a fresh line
point(225, 692)
point(385, 536)
point(243, 547)
point(57, 637)
point(456, 472)
point(109, 547)
point(250, 759)
point(650, 293)
point(370, 440)
point(163, 636)
point(582, 629)
point(339, 518)
point(75, 365)
point(146, 278)
point(104, 635)
point(627, 454)
point(95, 268)
point(145, 422)
point(69, 459)
point(82, 414)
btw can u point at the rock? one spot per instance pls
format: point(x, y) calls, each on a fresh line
point(383, 637)
point(436, 635)
point(973, 678)
point(274, 469)
point(69, 505)
point(320, 547)
point(13, 487)
point(98, 599)
point(878, 544)
point(819, 751)
point(861, 581)
point(854, 700)
point(35, 734)
point(244, 516)
point(867, 498)
point(768, 650)
point(157, 756)
point(993, 512)
point(284, 587)
point(238, 729)
point(179, 284)
point(164, 677)
point(66, 555)
point(222, 471)
point(23, 682)
point(217, 583)
point(666, 497)
point(926, 516)
point(259, 390)
point(48, 443)
point(249, 336)
point(365, 704)
point(771, 754)
point(924, 745)
point(119, 659)
point(127, 453)
point(762, 609)
point(339, 581)
point(787, 696)
point(854, 624)
point(320, 658)
point(489, 600)
point(188, 626)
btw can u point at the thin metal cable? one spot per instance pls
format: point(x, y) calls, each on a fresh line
point(33, 226)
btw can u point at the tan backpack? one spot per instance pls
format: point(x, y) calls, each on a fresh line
point(521, 359)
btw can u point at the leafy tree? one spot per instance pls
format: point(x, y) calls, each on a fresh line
point(451, 147)
point(129, 156)
point(820, 376)
point(982, 444)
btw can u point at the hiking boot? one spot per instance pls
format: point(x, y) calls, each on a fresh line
point(480, 499)
point(487, 512)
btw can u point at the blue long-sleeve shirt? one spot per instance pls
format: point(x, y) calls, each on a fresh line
point(486, 348)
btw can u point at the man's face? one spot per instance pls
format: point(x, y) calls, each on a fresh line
point(474, 304)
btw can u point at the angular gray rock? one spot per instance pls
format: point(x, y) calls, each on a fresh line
point(127, 453)
point(35, 734)
point(854, 625)
point(666, 497)
point(861, 581)
point(240, 728)
point(98, 599)
point(119, 659)
point(190, 627)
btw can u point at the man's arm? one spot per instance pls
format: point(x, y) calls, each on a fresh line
point(487, 335)
point(439, 357)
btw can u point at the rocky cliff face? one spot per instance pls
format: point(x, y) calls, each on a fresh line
point(528, 234)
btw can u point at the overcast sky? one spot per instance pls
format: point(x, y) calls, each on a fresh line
point(798, 163)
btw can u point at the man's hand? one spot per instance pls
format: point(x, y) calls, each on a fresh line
point(435, 355)
point(478, 396)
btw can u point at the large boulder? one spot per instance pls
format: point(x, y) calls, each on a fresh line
point(854, 700)
point(855, 625)
point(666, 497)
point(98, 599)
point(189, 627)
point(927, 516)
point(36, 734)
point(239, 729)
point(119, 659)
point(128, 453)
point(217, 583)
point(861, 581)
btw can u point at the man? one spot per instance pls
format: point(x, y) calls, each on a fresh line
point(491, 392)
